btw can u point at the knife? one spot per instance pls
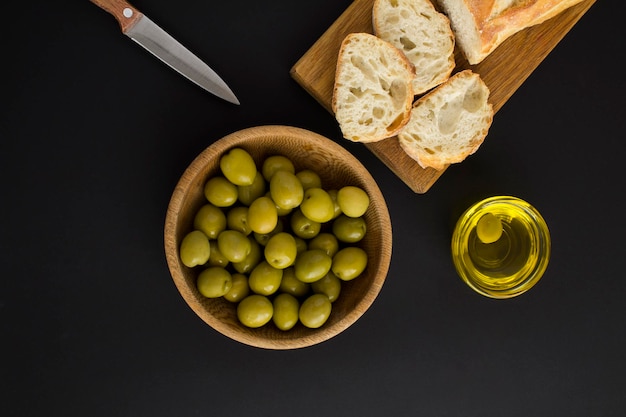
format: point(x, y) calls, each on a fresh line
point(146, 33)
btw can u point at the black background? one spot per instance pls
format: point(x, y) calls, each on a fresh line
point(95, 132)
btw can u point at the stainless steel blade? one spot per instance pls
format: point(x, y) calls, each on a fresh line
point(149, 35)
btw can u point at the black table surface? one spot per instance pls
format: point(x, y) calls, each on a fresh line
point(95, 133)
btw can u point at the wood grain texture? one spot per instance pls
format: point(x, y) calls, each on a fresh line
point(336, 167)
point(503, 71)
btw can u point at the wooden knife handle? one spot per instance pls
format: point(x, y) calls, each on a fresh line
point(125, 14)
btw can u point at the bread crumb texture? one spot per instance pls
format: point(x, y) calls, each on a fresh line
point(372, 95)
point(449, 123)
point(422, 33)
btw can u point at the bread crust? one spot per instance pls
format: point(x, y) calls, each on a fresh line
point(494, 21)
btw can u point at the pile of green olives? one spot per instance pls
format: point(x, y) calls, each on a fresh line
point(274, 241)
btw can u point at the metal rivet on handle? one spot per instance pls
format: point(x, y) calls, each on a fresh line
point(127, 12)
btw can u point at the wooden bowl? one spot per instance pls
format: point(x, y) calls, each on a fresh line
point(336, 167)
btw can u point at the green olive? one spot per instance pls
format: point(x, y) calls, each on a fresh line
point(195, 249)
point(281, 250)
point(262, 238)
point(237, 219)
point(275, 163)
point(317, 205)
point(214, 282)
point(489, 228)
point(292, 285)
point(248, 193)
point(255, 311)
point(329, 285)
point(234, 245)
point(220, 192)
point(286, 309)
point(353, 201)
point(279, 210)
point(333, 196)
point(262, 215)
point(326, 242)
point(239, 290)
point(211, 220)
point(216, 258)
point(302, 226)
point(349, 229)
point(312, 265)
point(265, 279)
point(349, 263)
point(286, 189)
point(315, 311)
point(238, 167)
point(309, 179)
point(301, 244)
point(254, 257)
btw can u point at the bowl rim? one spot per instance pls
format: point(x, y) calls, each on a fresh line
point(190, 175)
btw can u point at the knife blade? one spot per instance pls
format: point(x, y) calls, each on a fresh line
point(146, 33)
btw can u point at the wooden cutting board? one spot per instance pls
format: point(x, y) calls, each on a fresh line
point(504, 70)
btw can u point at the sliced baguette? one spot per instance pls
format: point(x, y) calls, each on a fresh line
point(449, 123)
point(480, 26)
point(422, 34)
point(372, 94)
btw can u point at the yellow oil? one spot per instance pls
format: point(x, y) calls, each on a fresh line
point(512, 264)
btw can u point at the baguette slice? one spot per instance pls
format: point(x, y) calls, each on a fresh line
point(372, 95)
point(480, 26)
point(422, 34)
point(449, 123)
